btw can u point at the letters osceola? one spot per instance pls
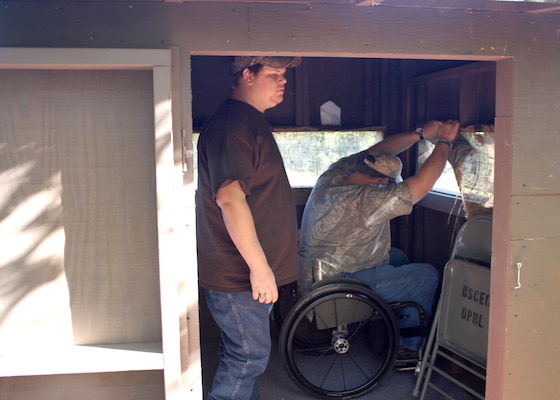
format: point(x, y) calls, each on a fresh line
point(477, 297)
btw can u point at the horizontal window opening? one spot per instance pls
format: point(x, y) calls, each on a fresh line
point(308, 153)
point(465, 184)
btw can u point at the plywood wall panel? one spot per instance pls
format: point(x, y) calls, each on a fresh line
point(197, 26)
point(532, 332)
point(532, 328)
point(536, 218)
point(80, 262)
point(319, 29)
point(493, 34)
point(33, 289)
point(536, 167)
point(229, 28)
point(108, 174)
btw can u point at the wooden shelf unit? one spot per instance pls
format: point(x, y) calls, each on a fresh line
point(92, 193)
point(84, 360)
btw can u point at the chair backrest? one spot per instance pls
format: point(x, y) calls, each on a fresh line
point(463, 326)
point(461, 322)
point(474, 240)
point(465, 312)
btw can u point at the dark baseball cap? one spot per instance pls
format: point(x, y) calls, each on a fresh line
point(242, 62)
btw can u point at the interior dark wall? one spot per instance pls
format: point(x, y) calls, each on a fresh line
point(368, 91)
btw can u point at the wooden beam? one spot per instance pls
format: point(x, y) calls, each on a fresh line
point(347, 2)
point(532, 6)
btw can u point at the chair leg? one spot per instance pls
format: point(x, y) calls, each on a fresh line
point(428, 353)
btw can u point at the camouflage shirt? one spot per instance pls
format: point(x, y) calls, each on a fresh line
point(348, 226)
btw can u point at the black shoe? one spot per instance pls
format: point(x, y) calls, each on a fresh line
point(406, 359)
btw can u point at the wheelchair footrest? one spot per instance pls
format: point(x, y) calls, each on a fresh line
point(414, 331)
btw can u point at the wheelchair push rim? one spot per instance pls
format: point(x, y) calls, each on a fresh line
point(326, 341)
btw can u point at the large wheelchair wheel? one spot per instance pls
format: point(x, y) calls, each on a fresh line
point(329, 340)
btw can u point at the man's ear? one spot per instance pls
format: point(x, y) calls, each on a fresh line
point(248, 75)
point(380, 181)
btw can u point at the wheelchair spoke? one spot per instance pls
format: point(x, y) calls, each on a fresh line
point(314, 351)
point(326, 348)
point(329, 369)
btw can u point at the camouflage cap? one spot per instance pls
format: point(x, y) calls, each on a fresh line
point(385, 163)
point(242, 62)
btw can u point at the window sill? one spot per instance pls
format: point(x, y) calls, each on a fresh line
point(448, 203)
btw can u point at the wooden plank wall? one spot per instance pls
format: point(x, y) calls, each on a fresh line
point(527, 145)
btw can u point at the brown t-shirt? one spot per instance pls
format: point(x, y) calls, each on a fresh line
point(236, 143)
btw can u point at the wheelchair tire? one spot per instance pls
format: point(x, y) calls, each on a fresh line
point(325, 341)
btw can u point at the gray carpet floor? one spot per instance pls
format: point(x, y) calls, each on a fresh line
point(276, 384)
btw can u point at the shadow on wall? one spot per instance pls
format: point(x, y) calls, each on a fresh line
point(78, 209)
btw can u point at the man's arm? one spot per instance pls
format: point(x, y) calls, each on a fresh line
point(421, 183)
point(240, 225)
point(398, 143)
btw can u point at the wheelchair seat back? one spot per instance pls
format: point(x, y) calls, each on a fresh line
point(329, 314)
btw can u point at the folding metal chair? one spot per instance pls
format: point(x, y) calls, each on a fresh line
point(456, 315)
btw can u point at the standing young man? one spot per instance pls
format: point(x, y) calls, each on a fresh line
point(246, 223)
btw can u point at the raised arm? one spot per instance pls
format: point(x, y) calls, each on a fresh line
point(240, 225)
point(400, 142)
point(421, 183)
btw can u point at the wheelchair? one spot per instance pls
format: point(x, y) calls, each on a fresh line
point(341, 340)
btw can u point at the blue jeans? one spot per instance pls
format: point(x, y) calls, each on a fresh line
point(244, 347)
point(403, 281)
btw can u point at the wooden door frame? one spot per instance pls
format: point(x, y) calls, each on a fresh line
point(503, 189)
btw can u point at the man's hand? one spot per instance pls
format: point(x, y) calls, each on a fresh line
point(263, 285)
point(421, 183)
point(431, 130)
point(449, 130)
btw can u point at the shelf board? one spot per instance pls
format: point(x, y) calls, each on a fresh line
point(83, 359)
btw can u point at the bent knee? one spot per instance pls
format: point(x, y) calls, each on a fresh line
point(430, 273)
